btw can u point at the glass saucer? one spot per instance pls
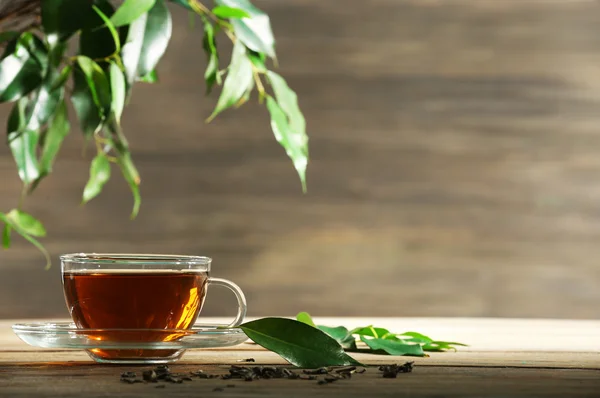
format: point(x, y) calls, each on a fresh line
point(124, 345)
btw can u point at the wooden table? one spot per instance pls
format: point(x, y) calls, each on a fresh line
point(506, 358)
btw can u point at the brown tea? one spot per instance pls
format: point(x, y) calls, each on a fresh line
point(134, 299)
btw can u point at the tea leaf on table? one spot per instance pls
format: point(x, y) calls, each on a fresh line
point(428, 343)
point(371, 331)
point(305, 317)
point(341, 335)
point(394, 347)
point(298, 343)
point(416, 337)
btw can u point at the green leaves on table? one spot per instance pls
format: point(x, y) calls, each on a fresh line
point(341, 335)
point(428, 343)
point(382, 341)
point(300, 344)
point(306, 345)
point(393, 346)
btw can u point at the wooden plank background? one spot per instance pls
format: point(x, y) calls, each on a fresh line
point(455, 168)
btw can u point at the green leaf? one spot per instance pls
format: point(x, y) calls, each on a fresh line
point(373, 332)
point(258, 60)
point(305, 317)
point(394, 347)
point(21, 71)
point(147, 41)
point(300, 344)
point(42, 106)
point(111, 27)
point(294, 143)
point(131, 10)
point(10, 221)
point(83, 102)
point(118, 90)
point(416, 337)
point(97, 39)
point(62, 18)
point(225, 12)
point(99, 175)
point(341, 335)
point(62, 78)
point(98, 85)
point(288, 101)
point(151, 77)
point(132, 177)
point(40, 247)
point(6, 236)
point(23, 143)
point(25, 222)
point(238, 81)
point(211, 75)
point(54, 137)
point(428, 343)
point(293, 129)
point(255, 32)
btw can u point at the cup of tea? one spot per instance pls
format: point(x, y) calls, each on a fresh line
point(139, 298)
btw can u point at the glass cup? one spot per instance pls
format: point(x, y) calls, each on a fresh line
point(139, 298)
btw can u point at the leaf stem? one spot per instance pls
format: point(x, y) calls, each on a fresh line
point(201, 9)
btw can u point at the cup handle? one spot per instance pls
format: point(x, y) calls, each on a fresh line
point(239, 295)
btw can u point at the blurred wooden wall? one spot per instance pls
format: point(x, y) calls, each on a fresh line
point(455, 168)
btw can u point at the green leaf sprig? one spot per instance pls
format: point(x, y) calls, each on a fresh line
point(116, 48)
point(306, 345)
point(382, 341)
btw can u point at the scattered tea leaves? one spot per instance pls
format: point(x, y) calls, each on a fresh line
point(394, 347)
point(391, 371)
